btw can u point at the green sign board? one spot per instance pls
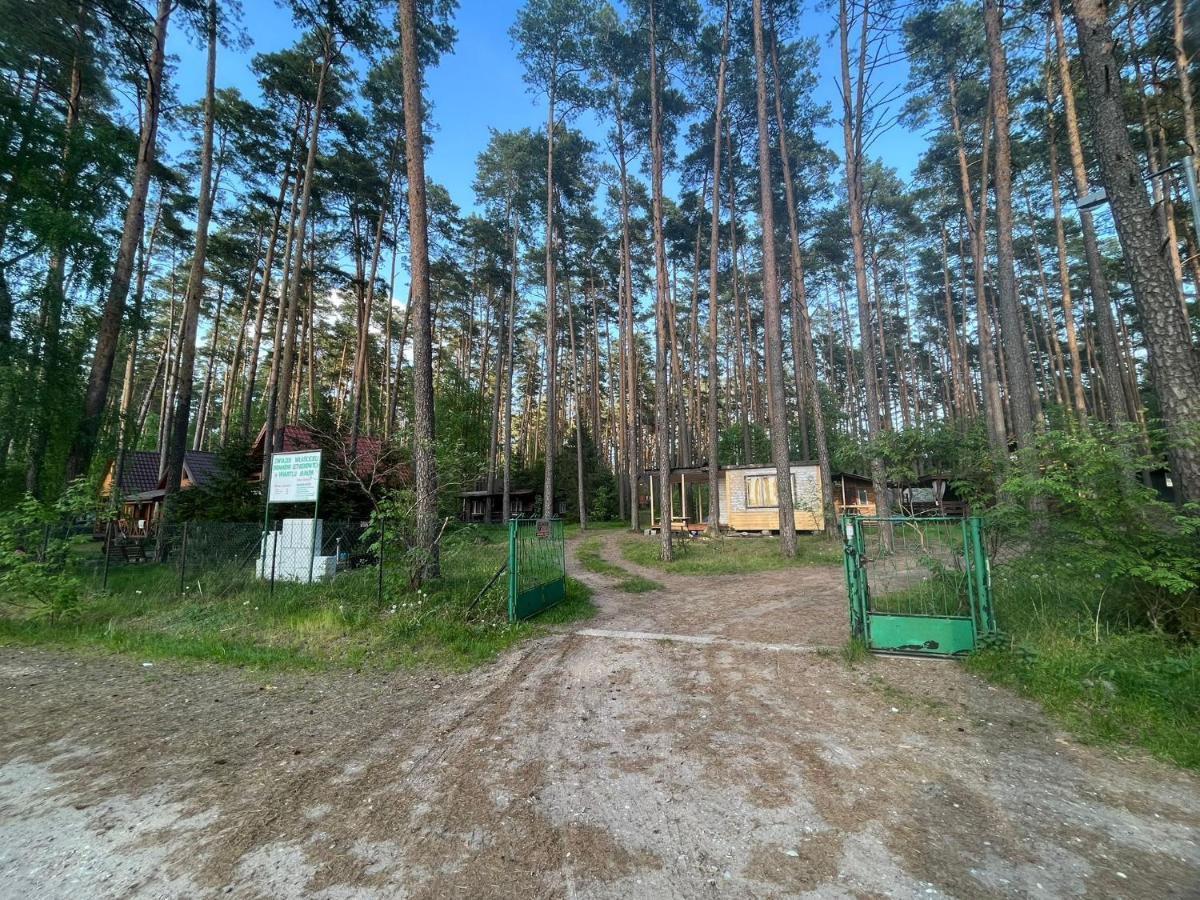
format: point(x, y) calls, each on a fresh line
point(295, 477)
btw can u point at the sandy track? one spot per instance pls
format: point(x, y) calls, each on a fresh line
point(688, 742)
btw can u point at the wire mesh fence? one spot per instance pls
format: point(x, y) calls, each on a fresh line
point(917, 567)
point(359, 563)
point(536, 566)
point(214, 559)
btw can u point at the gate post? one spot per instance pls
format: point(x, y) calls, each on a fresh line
point(981, 575)
point(513, 581)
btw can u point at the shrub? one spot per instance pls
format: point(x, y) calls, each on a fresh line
point(1077, 508)
point(35, 547)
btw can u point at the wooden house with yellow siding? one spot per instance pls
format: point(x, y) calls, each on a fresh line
point(749, 499)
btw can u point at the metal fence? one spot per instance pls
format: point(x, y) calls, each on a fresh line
point(214, 559)
point(918, 584)
point(536, 566)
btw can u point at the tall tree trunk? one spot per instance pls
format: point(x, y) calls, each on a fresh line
point(1060, 239)
point(1173, 367)
point(291, 258)
point(977, 226)
point(418, 229)
point(362, 353)
point(772, 314)
point(128, 427)
point(1014, 343)
point(853, 97)
point(662, 428)
point(579, 477)
point(206, 393)
point(279, 402)
point(808, 396)
point(551, 321)
point(714, 251)
point(177, 437)
point(108, 330)
point(957, 387)
point(264, 294)
point(53, 297)
point(739, 358)
point(1122, 406)
point(235, 364)
point(629, 387)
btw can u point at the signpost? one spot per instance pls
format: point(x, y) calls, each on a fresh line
point(295, 478)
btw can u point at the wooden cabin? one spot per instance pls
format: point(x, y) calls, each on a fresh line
point(930, 495)
point(142, 491)
point(748, 498)
point(487, 507)
point(853, 495)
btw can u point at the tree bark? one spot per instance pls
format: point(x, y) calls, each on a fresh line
point(1173, 366)
point(853, 97)
point(662, 429)
point(977, 227)
point(1060, 239)
point(551, 322)
point(177, 437)
point(1014, 343)
point(206, 393)
point(278, 404)
point(418, 228)
point(804, 357)
point(714, 251)
point(772, 315)
point(109, 328)
point(235, 363)
point(1122, 406)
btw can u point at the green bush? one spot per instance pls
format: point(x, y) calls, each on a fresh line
point(35, 549)
point(1074, 509)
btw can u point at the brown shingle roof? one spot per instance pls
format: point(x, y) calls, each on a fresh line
point(139, 471)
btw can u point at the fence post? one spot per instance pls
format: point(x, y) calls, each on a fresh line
point(183, 556)
point(513, 579)
point(274, 548)
point(108, 529)
point(379, 581)
point(982, 575)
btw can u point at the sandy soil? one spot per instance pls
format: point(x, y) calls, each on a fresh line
point(689, 742)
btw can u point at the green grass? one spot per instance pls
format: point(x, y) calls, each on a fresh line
point(1106, 680)
point(730, 555)
point(588, 554)
point(339, 624)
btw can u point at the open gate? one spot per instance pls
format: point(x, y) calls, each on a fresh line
point(537, 569)
point(918, 585)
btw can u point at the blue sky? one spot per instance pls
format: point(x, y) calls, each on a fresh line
point(477, 87)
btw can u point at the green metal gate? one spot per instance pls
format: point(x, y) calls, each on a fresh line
point(918, 585)
point(537, 568)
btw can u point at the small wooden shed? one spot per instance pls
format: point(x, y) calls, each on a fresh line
point(750, 499)
point(748, 494)
point(853, 495)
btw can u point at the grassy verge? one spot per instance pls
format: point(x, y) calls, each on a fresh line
point(1106, 681)
point(731, 555)
point(588, 554)
point(339, 624)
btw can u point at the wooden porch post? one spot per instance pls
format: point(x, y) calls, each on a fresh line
point(651, 502)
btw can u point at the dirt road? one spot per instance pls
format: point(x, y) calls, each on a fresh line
point(690, 742)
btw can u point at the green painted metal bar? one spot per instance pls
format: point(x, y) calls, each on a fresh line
point(936, 584)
